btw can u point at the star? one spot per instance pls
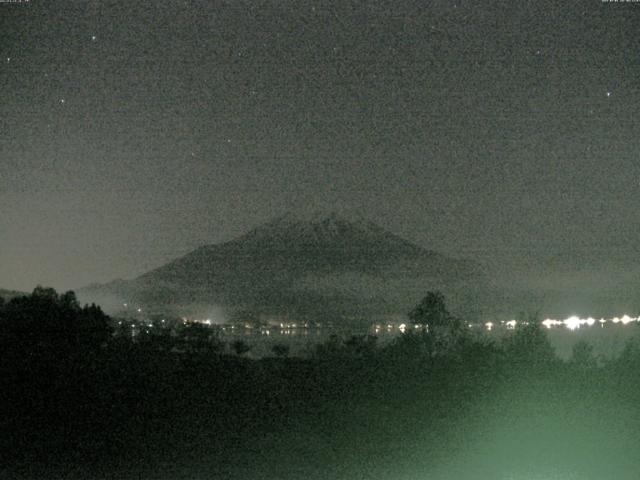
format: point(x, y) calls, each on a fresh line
point(62, 100)
point(8, 59)
point(608, 94)
point(93, 38)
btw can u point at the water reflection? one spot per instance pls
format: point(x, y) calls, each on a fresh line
point(394, 328)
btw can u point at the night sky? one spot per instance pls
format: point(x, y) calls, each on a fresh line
point(135, 131)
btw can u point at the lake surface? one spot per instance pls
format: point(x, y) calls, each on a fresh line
point(608, 338)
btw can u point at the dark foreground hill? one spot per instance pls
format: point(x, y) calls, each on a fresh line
point(326, 264)
point(167, 408)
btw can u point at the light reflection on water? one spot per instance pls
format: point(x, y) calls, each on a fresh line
point(392, 329)
point(607, 336)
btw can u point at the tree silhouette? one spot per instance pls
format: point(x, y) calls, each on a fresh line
point(361, 345)
point(45, 324)
point(92, 326)
point(280, 350)
point(582, 355)
point(432, 312)
point(529, 346)
point(199, 338)
point(240, 347)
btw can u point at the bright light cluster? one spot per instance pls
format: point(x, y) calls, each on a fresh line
point(574, 322)
point(511, 324)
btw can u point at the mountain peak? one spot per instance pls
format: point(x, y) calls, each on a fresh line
point(317, 228)
point(318, 216)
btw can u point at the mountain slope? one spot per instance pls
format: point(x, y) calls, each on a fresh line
point(293, 264)
point(9, 294)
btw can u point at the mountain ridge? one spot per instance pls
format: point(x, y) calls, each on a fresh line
point(9, 294)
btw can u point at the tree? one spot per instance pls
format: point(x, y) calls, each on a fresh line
point(444, 334)
point(47, 325)
point(582, 356)
point(432, 312)
point(247, 317)
point(330, 348)
point(199, 338)
point(280, 350)
point(529, 346)
point(240, 347)
point(361, 345)
point(92, 325)
point(68, 300)
point(46, 341)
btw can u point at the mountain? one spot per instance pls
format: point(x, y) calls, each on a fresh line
point(9, 294)
point(313, 265)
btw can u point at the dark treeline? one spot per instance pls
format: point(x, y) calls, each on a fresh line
point(78, 399)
